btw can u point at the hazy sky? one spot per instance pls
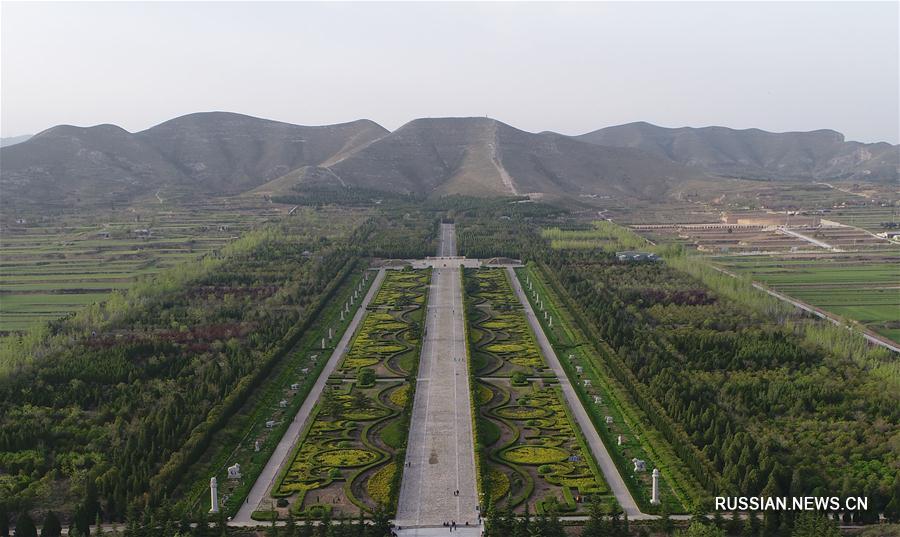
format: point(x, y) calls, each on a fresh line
point(570, 67)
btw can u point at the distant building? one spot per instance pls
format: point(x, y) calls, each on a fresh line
point(636, 256)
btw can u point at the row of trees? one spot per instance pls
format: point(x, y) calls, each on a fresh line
point(751, 407)
point(116, 408)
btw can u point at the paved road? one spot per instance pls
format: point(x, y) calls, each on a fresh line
point(260, 490)
point(440, 453)
point(807, 238)
point(448, 241)
point(604, 460)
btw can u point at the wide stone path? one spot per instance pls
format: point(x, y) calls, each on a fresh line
point(440, 454)
point(448, 240)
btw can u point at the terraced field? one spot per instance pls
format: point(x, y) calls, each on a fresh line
point(349, 455)
point(864, 287)
point(531, 453)
point(874, 219)
point(53, 265)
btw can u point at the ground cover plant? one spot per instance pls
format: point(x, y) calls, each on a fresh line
point(502, 342)
point(628, 434)
point(530, 452)
point(536, 456)
point(350, 454)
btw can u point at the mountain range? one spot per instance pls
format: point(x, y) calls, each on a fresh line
point(219, 153)
point(757, 154)
point(13, 140)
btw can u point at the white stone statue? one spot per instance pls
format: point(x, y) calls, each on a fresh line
point(213, 495)
point(654, 499)
point(234, 472)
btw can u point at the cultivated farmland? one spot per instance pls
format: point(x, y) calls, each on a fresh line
point(861, 286)
point(53, 265)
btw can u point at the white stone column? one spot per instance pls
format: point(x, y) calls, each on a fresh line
point(214, 495)
point(654, 499)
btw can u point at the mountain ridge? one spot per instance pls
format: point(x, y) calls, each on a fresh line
point(822, 154)
point(204, 152)
point(223, 153)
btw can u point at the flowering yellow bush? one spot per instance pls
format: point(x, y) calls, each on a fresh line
point(346, 457)
point(534, 455)
point(400, 396)
point(499, 483)
point(379, 485)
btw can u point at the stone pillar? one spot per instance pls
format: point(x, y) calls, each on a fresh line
point(213, 495)
point(323, 343)
point(330, 332)
point(619, 440)
point(342, 315)
point(654, 498)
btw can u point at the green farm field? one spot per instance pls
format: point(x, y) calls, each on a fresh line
point(860, 287)
point(52, 265)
